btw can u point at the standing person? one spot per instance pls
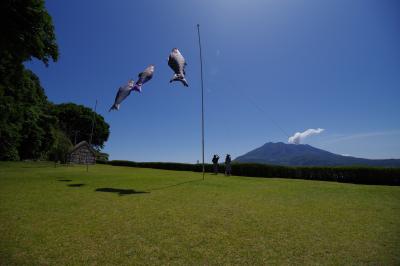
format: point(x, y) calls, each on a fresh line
point(228, 168)
point(215, 163)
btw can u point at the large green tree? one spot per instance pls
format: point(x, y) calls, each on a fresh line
point(76, 121)
point(30, 126)
point(26, 32)
point(26, 124)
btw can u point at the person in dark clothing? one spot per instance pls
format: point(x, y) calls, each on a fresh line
point(228, 168)
point(215, 163)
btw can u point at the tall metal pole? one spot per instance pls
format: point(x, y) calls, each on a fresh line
point(202, 98)
point(93, 119)
point(91, 134)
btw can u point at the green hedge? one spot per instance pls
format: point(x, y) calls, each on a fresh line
point(357, 175)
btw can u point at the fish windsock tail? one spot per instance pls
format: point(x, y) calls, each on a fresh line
point(184, 82)
point(180, 78)
point(114, 107)
point(174, 77)
point(137, 87)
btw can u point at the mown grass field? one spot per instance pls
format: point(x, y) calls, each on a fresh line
point(123, 215)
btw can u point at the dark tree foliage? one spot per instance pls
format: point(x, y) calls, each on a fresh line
point(28, 122)
point(29, 128)
point(37, 126)
point(60, 148)
point(25, 126)
point(26, 31)
point(76, 121)
point(25, 123)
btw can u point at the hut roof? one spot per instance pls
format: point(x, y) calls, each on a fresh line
point(81, 144)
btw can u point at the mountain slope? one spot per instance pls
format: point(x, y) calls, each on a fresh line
point(306, 155)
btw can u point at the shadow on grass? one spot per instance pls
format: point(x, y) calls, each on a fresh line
point(64, 180)
point(76, 185)
point(175, 185)
point(120, 191)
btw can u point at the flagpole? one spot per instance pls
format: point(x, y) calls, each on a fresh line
point(91, 134)
point(202, 98)
point(93, 118)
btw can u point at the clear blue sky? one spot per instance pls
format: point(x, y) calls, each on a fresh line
point(299, 64)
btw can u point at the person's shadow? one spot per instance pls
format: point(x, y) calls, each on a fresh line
point(76, 185)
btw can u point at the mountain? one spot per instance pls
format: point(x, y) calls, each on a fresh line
point(306, 155)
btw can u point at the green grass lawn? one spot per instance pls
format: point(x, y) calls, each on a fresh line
point(122, 215)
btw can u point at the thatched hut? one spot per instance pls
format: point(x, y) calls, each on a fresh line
point(82, 153)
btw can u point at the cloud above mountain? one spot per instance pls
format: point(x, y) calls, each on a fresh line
point(298, 137)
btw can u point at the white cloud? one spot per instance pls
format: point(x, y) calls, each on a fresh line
point(298, 137)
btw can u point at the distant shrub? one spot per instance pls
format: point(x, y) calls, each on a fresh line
point(60, 148)
point(101, 156)
point(357, 175)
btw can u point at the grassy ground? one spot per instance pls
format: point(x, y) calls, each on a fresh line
point(121, 215)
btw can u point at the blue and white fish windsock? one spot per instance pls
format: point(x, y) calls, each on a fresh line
point(177, 63)
point(143, 77)
point(122, 93)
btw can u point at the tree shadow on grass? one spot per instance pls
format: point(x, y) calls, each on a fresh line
point(120, 191)
point(76, 185)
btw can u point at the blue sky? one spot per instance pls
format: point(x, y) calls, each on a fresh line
point(272, 68)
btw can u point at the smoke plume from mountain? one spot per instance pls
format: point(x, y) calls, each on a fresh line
point(298, 137)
